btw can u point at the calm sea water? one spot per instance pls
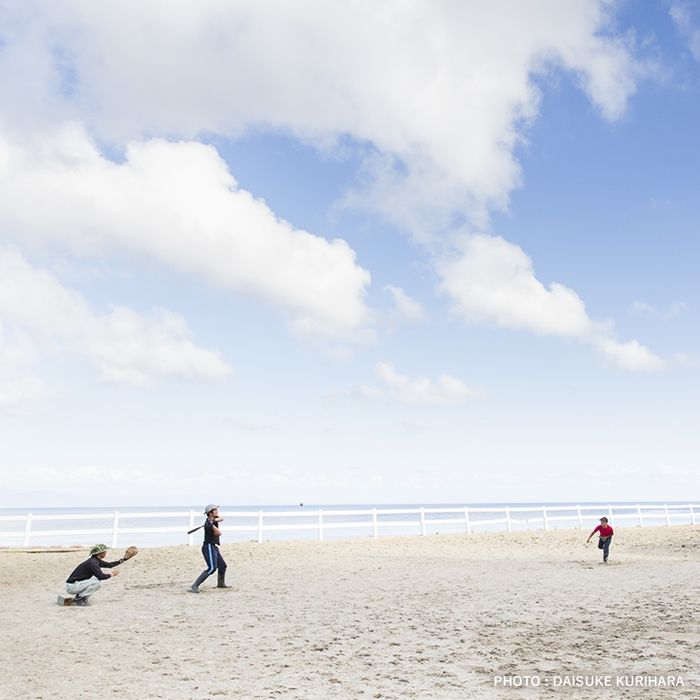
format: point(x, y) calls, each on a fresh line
point(82, 526)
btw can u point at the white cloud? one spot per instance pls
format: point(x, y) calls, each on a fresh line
point(21, 392)
point(438, 90)
point(126, 347)
point(688, 23)
point(445, 390)
point(640, 309)
point(178, 204)
point(249, 426)
point(406, 310)
point(436, 96)
point(493, 281)
point(43, 476)
point(130, 348)
point(687, 359)
point(630, 356)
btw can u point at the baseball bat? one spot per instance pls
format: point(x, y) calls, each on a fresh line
point(189, 532)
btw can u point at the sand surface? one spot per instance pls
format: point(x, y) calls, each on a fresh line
point(411, 617)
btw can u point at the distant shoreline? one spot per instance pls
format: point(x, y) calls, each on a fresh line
point(65, 527)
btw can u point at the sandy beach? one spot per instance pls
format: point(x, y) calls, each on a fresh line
point(434, 617)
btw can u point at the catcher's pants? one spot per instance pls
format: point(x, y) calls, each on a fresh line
point(84, 588)
point(214, 560)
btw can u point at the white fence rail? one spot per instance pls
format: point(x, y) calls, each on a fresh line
point(322, 522)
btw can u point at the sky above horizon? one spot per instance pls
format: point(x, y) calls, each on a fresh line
point(349, 252)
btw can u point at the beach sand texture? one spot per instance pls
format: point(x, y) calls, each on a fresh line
point(434, 618)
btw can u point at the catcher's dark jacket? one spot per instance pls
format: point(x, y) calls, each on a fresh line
point(91, 567)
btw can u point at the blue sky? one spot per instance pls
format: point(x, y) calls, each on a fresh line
point(358, 252)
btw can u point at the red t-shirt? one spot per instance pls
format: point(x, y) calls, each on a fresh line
point(606, 531)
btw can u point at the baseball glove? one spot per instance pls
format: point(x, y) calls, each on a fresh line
point(130, 552)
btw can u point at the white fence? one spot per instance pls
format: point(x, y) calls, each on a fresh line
point(344, 523)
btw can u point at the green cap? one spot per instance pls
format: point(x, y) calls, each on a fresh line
point(98, 549)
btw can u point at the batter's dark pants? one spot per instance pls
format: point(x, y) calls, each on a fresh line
point(214, 560)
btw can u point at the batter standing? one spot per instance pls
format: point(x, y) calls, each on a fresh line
point(210, 550)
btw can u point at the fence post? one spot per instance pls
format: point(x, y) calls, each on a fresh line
point(544, 517)
point(692, 514)
point(668, 521)
point(610, 517)
point(639, 513)
point(190, 541)
point(510, 529)
point(320, 525)
point(374, 523)
point(422, 521)
point(580, 519)
point(115, 529)
point(466, 520)
point(260, 526)
point(27, 529)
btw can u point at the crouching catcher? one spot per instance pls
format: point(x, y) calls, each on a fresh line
point(210, 550)
point(87, 577)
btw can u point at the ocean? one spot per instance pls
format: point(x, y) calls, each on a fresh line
point(167, 526)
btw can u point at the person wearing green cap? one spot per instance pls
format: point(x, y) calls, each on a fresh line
point(87, 577)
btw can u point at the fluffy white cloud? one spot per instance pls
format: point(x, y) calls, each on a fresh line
point(493, 281)
point(640, 309)
point(128, 348)
point(687, 19)
point(630, 355)
point(178, 204)
point(445, 390)
point(406, 310)
point(435, 94)
point(687, 359)
point(438, 90)
point(21, 392)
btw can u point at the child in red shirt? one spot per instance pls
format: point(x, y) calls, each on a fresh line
point(605, 532)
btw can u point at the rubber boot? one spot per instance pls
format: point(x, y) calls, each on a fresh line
point(202, 578)
point(222, 581)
